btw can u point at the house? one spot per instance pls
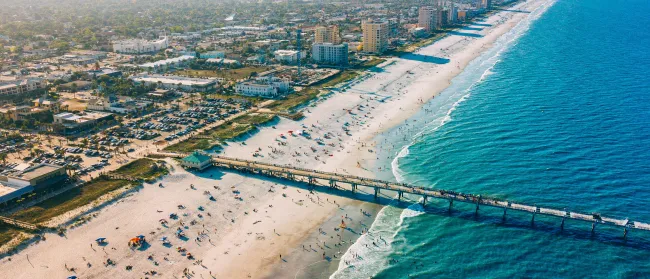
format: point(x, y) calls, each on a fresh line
point(47, 104)
point(113, 104)
point(197, 160)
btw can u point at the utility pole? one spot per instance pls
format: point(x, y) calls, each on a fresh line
point(298, 37)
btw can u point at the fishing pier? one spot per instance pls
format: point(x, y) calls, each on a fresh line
point(336, 180)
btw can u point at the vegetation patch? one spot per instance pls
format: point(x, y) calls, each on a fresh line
point(295, 100)
point(254, 118)
point(191, 144)
point(68, 200)
point(143, 168)
point(372, 63)
point(233, 74)
point(414, 46)
point(7, 233)
point(253, 100)
point(229, 131)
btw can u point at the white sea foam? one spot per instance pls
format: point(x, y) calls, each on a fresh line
point(372, 259)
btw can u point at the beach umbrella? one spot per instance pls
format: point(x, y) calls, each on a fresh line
point(101, 239)
point(140, 236)
point(72, 277)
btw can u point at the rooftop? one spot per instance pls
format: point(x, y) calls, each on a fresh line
point(197, 158)
point(37, 171)
point(168, 61)
point(174, 80)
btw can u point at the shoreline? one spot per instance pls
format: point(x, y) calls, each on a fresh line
point(410, 108)
point(246, 238)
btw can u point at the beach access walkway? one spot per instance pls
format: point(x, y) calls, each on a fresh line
point(335, 180)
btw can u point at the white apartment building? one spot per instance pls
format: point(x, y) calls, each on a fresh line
point(140, 46)
point(265, 87)
point(375, 36)
point(18, 87)
point(287, 56)
point(330, 54)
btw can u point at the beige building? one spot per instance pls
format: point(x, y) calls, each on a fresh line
point(18, 87)
point(375, 36)
point(428, 19)
point(327, 34)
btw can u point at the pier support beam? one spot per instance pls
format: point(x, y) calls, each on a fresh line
point(424, 200)
point(532, 221)
point(593, 228)
point(354, 188)
point(399, 196)
point(376, 192)
point(562, 224)
point(505, 211)
point(451, 203)
point(332, 183)
point(624, 232)
point(311, 180)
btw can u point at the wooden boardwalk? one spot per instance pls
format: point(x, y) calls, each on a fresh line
point(18, 223)
point(333, 179)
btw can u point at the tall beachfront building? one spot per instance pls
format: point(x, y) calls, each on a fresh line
point(330, 54)
point(428, 18)
point(375, 36)
point(327, 34)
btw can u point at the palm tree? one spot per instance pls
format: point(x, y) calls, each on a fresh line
point(3, 158)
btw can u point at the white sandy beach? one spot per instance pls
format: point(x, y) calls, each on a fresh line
point(245, 238)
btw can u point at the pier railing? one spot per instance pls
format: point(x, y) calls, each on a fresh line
point(311, 176)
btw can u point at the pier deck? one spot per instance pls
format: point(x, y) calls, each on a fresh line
point(311, 176)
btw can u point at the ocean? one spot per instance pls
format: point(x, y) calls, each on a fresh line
point(556, 114)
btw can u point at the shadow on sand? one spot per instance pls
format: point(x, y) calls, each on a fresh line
point(424, 58)
point(471, 28)
point(487, 216)
point(513, 11)
point(465, 34)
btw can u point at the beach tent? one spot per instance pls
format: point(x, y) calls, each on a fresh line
point(100, 240)
point(72, 277)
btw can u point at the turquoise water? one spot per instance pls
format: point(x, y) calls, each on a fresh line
point(557, 114)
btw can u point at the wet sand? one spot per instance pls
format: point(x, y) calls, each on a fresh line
point(257, 226)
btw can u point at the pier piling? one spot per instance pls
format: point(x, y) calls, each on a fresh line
point(532, 221)
point(311, 177)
